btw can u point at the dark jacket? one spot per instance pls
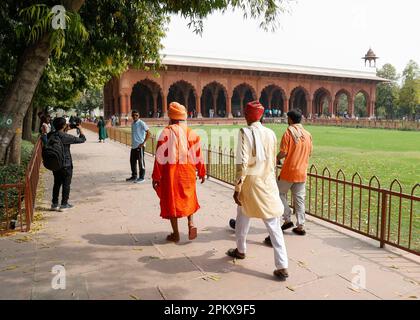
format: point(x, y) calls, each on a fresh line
point(67, 140)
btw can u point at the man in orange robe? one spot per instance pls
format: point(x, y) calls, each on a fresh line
point(177, 163)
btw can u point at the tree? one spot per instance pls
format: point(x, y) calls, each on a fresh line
point(360, 105)
point(89, 101)
point(409, 99)
point(387, 92)
point(101, 36)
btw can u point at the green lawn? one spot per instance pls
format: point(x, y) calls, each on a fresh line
point(388, 154)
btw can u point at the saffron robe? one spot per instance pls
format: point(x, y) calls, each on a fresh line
point(178, 161)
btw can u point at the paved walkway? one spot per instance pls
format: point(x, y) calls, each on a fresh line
point(112, 245)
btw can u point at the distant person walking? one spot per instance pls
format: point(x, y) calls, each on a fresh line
point(295, 149)
point(102, 129)
point(139, 135)
point(256, 192)
point(177, 163)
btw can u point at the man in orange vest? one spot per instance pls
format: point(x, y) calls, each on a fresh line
point(295, 148)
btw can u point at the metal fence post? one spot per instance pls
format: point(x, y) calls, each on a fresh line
point(383, 219)
point(208, 160)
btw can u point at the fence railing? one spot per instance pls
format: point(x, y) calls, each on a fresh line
point(17, 201)
point(387, 215)
point(31, 182)
point(365, 123)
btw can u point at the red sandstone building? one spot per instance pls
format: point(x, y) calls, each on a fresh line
point(219, 88)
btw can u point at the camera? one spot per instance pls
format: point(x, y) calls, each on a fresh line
point(75, 122)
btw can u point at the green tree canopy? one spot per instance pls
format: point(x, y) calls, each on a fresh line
point(102, 38)
point(409, 99)
point(387, 92)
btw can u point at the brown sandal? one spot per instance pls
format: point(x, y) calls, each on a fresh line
point(281, 274)
point(192, 234)
point(172, 238)
point(234, 253)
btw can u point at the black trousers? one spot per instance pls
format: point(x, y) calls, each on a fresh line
point(137, 155)
point(62, 177)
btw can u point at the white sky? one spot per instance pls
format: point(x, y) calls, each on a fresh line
point(320, 33)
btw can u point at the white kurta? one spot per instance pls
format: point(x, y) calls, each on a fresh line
point(255, 172)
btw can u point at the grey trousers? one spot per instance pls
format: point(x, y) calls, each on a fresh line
point(298, 194)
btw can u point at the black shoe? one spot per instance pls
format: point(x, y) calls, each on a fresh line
point(281, 274)
point(232, 223)
point(298, 231)
point(267, 241)
point(287, 225)
point(66, 206)
point(131, 179)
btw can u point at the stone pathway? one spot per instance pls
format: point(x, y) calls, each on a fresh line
point(112, 246)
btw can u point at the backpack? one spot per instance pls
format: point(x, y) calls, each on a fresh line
point(53, 153)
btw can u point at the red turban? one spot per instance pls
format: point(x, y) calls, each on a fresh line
point(254, 111)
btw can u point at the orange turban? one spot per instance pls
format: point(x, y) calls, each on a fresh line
point(254, 111)
point(177, 111)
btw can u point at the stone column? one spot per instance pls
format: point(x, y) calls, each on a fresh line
point(123, 107)
point(241, 103)
point(155, 98)
point(351, 108)
point(186, 94)
point(372, 109)
point(269, 97)
point(310, 107)
point(128, 103)
point(286, 105)
point(214, 95)
point(198, 106)
point(164, 106)
point(229, 107)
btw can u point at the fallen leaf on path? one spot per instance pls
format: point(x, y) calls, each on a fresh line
point(211, 277)
point(302, 264)
point(132, 296)
point(137, 249)
point(24, 239)
point(352, 289)
point(291, 288)
point(412, 297)
point(394, 267)
point(10, 268)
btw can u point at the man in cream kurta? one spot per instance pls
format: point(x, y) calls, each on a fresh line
point(256, 191)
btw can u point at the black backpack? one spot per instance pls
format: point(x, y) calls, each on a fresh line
point(53, 153)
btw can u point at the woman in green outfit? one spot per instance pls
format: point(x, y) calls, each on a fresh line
point(102, 130)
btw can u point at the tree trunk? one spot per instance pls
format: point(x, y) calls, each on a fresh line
point(15, 147)
point(21, 90)
point(27, 124)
